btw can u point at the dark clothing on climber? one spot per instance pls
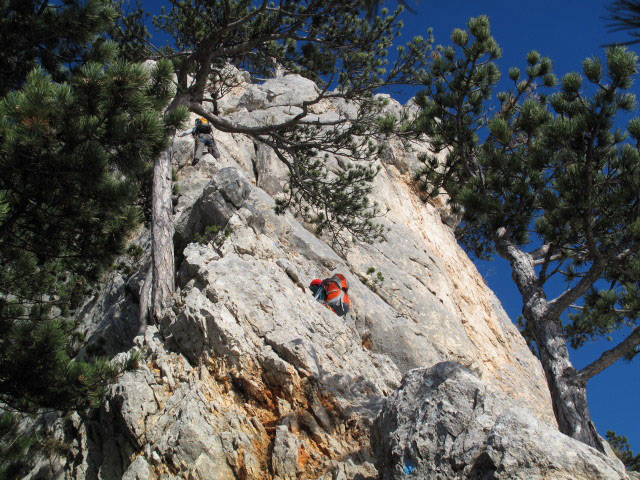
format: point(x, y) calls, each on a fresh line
point(203, 134)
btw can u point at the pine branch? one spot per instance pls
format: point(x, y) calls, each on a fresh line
point(540, 252)
point(609, 357)
point(568, 297)
point(625, 16)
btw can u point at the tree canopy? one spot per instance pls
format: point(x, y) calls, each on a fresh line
point(77, 133)
point(621, 447)
point(54, 36)
point(548, 180)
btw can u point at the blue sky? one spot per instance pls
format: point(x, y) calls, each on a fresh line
point(567, 31)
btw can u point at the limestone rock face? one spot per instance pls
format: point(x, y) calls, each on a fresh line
point(444, 423)
point(248, 377)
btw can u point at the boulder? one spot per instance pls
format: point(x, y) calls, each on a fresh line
point(444, 423)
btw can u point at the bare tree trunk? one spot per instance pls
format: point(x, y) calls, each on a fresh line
point(145, 297)
point(569, 395)
point(162, 235)
point(162, 230)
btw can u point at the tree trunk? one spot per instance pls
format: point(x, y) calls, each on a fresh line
point(162, 230)
point(162, 235)
point(145, 307)
point(568, 394)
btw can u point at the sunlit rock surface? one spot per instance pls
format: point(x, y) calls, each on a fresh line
point(444, 423)
point(248, 377)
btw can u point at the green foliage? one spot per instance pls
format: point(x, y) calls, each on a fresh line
point(345, 196)
point(14, 446)
point(621, 447)
point(128, 263)
point(130, 32)
point(53, 36)
point(387, 123)
point(338, 40)
point(20, 440)
point(548, 167)
point(133, 361)
point(372, 278)
point(78, 127)
point(37, 370)
point(214, 235)
point(607, 310)
point(624, 17)
point(177, 117)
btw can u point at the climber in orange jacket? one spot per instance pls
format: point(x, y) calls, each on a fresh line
point(332, 293)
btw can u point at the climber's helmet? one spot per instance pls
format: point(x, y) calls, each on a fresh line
point(315, 285)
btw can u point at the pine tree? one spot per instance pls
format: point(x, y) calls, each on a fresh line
point(621, 446)
point(50, 35)
point(15, 444)
point(331, 42)
point(624, 16)
point(74, 154)
point(78, 128)
point(547, 181)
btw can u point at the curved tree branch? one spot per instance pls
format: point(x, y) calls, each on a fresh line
point(609, 357)
point(568, 297)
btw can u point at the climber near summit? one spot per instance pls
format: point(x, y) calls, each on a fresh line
point(332, 293)
point(203, 134)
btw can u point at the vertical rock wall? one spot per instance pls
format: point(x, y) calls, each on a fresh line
point(248, 377)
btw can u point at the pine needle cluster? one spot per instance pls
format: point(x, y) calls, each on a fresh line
point(78, 129)
point(621, 447)
point(543, 175)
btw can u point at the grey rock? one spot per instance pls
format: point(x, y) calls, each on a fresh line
point(282, 91)
point(252, 98)
point(272, 173)
point(223, 196)
point(321, 415)
point(196, 256)
point(182, 151)
point(248, 372)
point(138, 470)
point(187, 217)
point(132, 401)
point(444, 423)
point(109, 320)
point(269, 116)
point(350, 470)
point(284, 458)
point(215, 203)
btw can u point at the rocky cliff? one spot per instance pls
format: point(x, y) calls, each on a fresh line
point(249, 378)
